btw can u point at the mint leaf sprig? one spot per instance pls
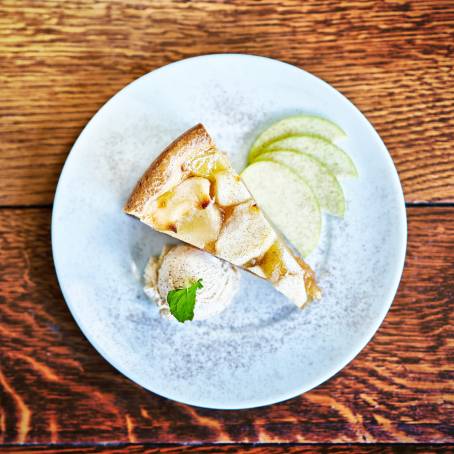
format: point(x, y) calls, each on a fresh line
point(181, 301)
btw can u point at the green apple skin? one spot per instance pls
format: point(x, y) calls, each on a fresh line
point(297, 124)
point(330, 154)
point(320, 179)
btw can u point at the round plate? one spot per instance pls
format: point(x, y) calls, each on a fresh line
point(262, 349)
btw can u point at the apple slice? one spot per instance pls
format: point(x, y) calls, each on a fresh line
point(229, 190)
point(190, 195)
point(288, 202)
point(245, 235)
point(319, 178)
point(331, 155)
point(200, 227)
point(298, 124)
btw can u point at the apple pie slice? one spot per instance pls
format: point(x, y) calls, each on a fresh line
point(191, 192)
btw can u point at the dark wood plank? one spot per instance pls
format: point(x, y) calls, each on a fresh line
point(231, 448)
point(60, 61)
point(55, 388)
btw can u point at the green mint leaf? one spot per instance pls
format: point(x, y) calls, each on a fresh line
point(182, 301)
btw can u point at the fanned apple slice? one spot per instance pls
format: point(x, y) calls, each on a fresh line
point(331, 155)
point(287, 201)
point(320, 179)
point(297, 124)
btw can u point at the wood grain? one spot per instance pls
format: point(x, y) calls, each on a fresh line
point(55, 388)
point(60, 61)
point(227, 449)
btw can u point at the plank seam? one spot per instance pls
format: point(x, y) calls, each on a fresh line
point(202, 444)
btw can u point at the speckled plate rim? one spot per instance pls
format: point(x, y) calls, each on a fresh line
point(388, 297)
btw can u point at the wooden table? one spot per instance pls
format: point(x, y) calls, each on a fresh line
point(60, 61)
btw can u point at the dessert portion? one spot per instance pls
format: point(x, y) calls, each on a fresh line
point(179, 268)
point(191, 192)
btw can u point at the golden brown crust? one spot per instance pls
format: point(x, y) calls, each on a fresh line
point(166, 171)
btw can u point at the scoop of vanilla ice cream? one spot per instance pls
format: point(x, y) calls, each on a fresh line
point(179, 266)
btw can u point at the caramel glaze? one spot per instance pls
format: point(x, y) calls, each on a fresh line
point(312, 289)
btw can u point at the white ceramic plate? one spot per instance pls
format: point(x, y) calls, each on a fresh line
point(262, 349)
